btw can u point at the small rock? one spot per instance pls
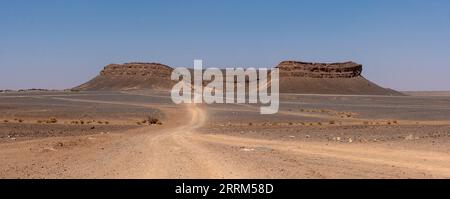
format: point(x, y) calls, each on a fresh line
point(350, 140)
point(48, 149)
point(411, 137)
point(307, 136)
point(264, 149)
point(247, 149)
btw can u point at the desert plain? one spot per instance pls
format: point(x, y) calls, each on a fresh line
point(143, 134)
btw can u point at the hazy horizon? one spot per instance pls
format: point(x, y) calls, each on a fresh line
point(52, 44)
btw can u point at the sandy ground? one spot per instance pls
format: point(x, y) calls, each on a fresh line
point(199, 141)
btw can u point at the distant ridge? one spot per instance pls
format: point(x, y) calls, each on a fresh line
point(295, 77)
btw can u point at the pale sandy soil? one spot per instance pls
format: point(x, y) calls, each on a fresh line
point(199, 141)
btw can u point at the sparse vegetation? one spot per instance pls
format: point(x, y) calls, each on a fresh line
point(74, 122)
point(153, 121)
point(52, 120)
point(332, 122)
point(5, 121)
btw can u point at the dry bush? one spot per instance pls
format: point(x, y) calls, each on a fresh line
point(332, 122)
point(5, 121)
point(52, 120)
point(153, 121)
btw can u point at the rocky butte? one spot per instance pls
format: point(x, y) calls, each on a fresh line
point(131, 76)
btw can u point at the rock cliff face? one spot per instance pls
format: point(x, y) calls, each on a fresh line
point(319, 70)
point(137, 69)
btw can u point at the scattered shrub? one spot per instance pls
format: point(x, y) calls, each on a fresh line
point(152, 120)
point(52, 120)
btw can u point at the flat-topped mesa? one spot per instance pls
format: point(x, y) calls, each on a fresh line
point(319, 70)
point(137, 69)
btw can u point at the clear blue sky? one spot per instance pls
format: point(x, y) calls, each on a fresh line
point(62, 43)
